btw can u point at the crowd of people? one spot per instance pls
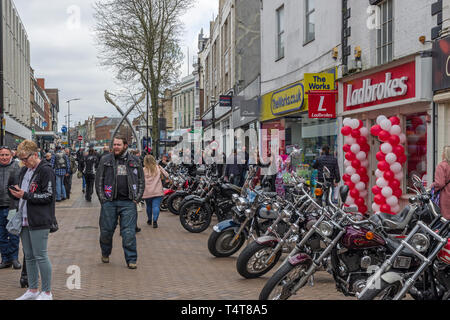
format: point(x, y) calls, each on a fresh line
point(33, 181)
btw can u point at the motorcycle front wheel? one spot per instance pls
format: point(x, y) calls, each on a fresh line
point(173, 203)
point(163, 206)
point(251, 262)
point(383, 291)
point(220, 244)
point(280, 285)
point(194, 217)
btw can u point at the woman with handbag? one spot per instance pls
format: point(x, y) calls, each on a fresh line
point(154, 192)
point(36, 193)
point(441, 183)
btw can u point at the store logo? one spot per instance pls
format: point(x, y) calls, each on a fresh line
point(370, 93)
point(288, 100)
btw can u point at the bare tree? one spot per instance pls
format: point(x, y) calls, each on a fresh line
point(139, 40)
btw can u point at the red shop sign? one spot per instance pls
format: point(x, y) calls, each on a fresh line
point(322, 104)
point(390, 85)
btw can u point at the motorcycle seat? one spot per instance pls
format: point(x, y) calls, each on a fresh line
point(395, 222)
point(270, 194)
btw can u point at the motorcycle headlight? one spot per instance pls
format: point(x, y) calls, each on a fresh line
point(326, 228)
point(248, 212)
point(420, 242)
point(241, 204)
point(276, 207)
point(286, 215)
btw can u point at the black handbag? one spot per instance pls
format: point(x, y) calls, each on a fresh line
point(54, 227)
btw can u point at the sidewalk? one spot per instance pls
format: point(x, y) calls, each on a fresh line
point(172, 263)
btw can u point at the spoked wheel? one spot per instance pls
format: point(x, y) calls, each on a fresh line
point(280, 286)
point(163, 206)
point(220, 244)
point(194, 217)
point(173, 203)
point(253, 261)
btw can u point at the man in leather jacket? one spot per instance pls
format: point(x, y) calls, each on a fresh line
point(120, 185)
point(9, 175)
point(88, 167)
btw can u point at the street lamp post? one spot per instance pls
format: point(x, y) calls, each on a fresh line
point(68, 120)
point(148, 106)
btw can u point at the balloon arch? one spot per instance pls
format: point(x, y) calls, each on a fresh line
point(389, 173)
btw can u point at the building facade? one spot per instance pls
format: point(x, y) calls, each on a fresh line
point(15, 85)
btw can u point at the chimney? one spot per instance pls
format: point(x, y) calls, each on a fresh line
point(41, 83)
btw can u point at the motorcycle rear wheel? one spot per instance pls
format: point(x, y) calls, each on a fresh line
point(163, 206)
point(280, 285)
point(194, 217)
point(250, 263)
point(173, 203)
point(219, 243)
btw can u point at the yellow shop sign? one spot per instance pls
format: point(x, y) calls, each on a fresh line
point(319, 81)
point(284, 101)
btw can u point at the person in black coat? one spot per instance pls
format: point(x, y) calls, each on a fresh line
point(329, 161)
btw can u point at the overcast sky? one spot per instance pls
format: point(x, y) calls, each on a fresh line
point(63, 51)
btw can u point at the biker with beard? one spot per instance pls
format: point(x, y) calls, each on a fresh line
point(120, 185)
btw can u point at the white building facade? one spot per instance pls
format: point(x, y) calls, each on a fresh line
point(15, 75)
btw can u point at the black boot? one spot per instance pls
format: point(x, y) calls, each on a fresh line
point(5, 265)
point(24, 275)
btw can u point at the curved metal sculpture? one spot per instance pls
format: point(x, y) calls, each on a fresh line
point(124, 118)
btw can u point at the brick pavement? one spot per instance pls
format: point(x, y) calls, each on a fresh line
point(173, 264)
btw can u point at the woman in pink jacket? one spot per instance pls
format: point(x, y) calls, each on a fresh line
point(153, 193)
point(442, 183)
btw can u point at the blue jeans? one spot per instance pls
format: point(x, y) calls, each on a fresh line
point(9, 243)
point(109, 218)
point(35, 248)
point(153, 205)
point(60, 189)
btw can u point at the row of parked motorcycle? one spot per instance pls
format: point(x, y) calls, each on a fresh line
point(376, 257)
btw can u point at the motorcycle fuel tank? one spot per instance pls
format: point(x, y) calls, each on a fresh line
point(361, 239)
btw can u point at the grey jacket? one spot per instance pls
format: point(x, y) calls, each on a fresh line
point(9, 175)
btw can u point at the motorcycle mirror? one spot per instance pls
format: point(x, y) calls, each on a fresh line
point(343, 193)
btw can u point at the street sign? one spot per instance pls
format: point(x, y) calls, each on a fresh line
point(322, 104)
point(80, 138)
point(64, 129)
point(44, 124)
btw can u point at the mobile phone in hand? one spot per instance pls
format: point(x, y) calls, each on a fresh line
point(13, 188)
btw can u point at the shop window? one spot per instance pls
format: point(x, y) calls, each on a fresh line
point(416, 135)
point(280, 33)
point(385, 33)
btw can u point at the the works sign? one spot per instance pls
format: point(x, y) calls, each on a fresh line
point(391, 85)
point(441, 64)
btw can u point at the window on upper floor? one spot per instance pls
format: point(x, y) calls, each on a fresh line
point(280, 33)
point(385, 33)
point(310, 24)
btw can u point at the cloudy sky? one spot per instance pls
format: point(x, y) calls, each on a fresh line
point(63, 51)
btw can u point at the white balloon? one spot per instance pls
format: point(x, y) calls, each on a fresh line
point(365, 163)
point(361, 156)
point(350, 140)
point(360, 186)
point(376, 207)
point(363, 193)
point(386, 125)
point(380, 119)
point(399, 176)
point(392, 201)
point(402, 138)
point(347, 163)
point(395, 209)
point(354, 124)
point(350, 171)
point(391, 158)
point(395, 130)
point(396, 167)
point(347, 122)
point(381, 182)
point(379, 173)
point(355, 148)
point(364, 131)
point(386, 148)
point(350, 201)
point(355, 178)
point(387, 192)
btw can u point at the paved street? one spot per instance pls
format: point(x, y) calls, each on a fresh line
point(173, 263)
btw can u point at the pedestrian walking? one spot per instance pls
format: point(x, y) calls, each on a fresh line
point(61, 164)
point(119, 184)
point(329, 161)
point(154, 191)
point(9, 243)
point(233, 169)
point(441, 183)
point(88, 168)
point(70, 172)
point(36, 193)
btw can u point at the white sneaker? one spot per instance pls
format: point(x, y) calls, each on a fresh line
point(29, 296)
point(44, 296)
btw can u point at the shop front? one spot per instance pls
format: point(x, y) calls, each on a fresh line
point(441, 88)
point(401, 89)
point(299, 136)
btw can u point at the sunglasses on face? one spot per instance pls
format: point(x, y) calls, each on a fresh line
point(25, 159)
point(5, 148)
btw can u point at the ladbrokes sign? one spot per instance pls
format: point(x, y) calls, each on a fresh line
point(391, 85)
point(441, 64)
